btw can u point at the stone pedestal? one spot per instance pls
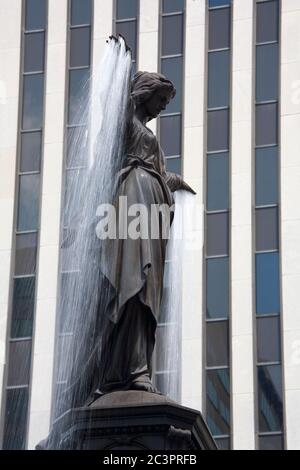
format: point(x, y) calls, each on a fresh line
point(131, 420)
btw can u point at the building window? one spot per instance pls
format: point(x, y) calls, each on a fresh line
point(126, 24)
point(217, 223)
point(269, 425)
point(172, 31)
point(27, 211)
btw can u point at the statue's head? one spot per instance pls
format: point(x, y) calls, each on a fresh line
point(152, 91)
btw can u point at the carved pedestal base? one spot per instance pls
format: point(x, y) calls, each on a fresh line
point(132, 420)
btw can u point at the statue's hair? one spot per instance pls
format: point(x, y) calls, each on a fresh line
point(144, 84)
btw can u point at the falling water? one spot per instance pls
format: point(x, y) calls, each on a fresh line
point(178, 262)
point(97, 153)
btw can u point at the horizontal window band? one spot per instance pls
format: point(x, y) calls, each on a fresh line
point(220, 49)
point(223, 211)
point(79, 26)
point(24, 173)
point(36, 72)
point(217, 320)
point(26, 232)
point(172, 157)
point(220, 7)
point(261, 103)
point(162, 372)
point(264, 364)
point(267, 146)
point(162, 116)
point(217, 368)
point(221, 108)
point(267, 206)
point(171, 56)
point(25, 276)
point(80, 67)
point(221, 436)
point(256, 252)
point(267, 315)
point(270, 433)
point(216, 152)
point(15, 387)
point(266, 43)
point(19, 340)
point(31, 131)
point(217, 256)
point(126, 20)
point(29, 31)
point(172, 13)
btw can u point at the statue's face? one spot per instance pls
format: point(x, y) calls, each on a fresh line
point(157, 103)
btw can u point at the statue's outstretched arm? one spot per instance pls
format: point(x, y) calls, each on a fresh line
point(176, 182)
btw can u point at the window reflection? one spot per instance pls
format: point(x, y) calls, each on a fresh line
point(270, 398)
point(217, 287)
point(218, 401)
point(267, 283)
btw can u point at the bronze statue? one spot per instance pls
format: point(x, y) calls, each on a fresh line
point(120, 358)
point(135, 268)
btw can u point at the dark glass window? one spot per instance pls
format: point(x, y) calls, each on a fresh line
point(33, 101)
point(267, 21)
point(172, 69)
point(19, 363)
point(28, 206)
point(23, 305)
point(268, 339)
point(31, 143)
point(217, 234)
point(170, 135)
point(266, 176)
point(266, 228)
point(217, 347)
point(15, 419)
point(80, 47)
point(217, 289)
point(219, 29)
point(174, 165)
point(267, 57)
point(80, 12)
point(126, 9)
point(172, 43)
point(267, 283)
point(217, 182)
point(270, 398)
point(218, 401)
point(218, 79)
point(78, 85)
point(218, 130)
point(34, 52)
point(128, 30)
point(218, 3)
point(172, 6)
point(271, 442)
point(35, 15)
point(223, 443)
point(25, 254)
point(266, 124)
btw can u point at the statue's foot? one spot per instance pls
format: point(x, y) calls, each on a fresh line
point(144, 383)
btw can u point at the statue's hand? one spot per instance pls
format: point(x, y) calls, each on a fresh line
point(116, 39)
point(175, 183)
